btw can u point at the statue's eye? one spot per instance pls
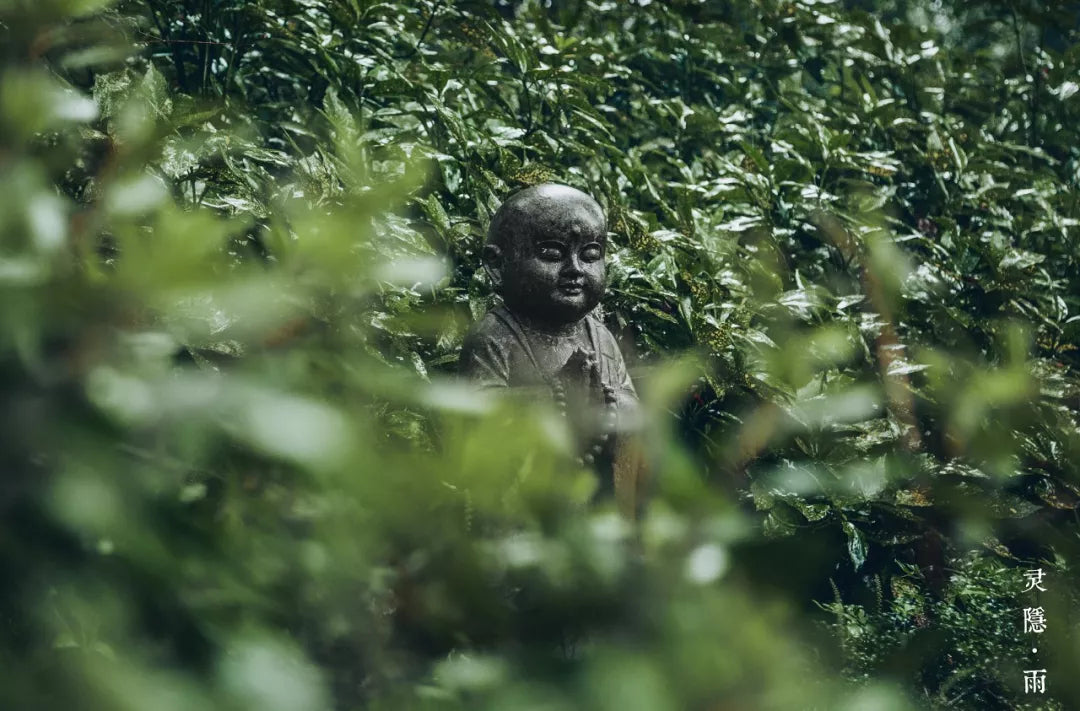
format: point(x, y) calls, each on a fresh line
point(550, 252)
point(592, 252)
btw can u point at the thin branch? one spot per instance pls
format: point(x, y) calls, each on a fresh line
point(1019, 41)
point(150, 39)
point(423, 35)
point(181, 76)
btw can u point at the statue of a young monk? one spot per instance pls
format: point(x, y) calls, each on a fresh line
point(545, 255)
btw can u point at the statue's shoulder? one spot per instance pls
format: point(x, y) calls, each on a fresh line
point(612, 364)
point(493, 337)
point(605, 340)
point(491, 352)
point(492, 327)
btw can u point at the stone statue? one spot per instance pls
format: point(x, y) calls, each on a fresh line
point(545, 255)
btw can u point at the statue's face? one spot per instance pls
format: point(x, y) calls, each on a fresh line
point(555, 273)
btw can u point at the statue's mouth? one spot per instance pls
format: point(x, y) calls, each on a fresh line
point(571, 289)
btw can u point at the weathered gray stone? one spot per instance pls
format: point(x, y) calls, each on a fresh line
point(545, 254)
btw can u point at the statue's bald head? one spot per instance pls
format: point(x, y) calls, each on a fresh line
point(548, 207)
point(545, 253)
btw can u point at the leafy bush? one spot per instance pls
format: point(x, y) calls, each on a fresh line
point(238, 253)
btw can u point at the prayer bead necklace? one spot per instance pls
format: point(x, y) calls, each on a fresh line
point(558, 391)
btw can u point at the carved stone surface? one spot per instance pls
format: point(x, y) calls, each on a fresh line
point(545, 254)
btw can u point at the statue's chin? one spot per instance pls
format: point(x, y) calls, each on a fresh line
point(570, 309)
point(556, 313)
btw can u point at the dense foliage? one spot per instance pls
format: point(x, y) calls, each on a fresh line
point(239, 249)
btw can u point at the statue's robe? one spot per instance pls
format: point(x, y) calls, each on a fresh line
point(501, 352)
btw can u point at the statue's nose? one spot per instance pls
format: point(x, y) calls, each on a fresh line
point(572, 266)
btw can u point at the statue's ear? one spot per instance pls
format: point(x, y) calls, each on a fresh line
point(493, 264)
